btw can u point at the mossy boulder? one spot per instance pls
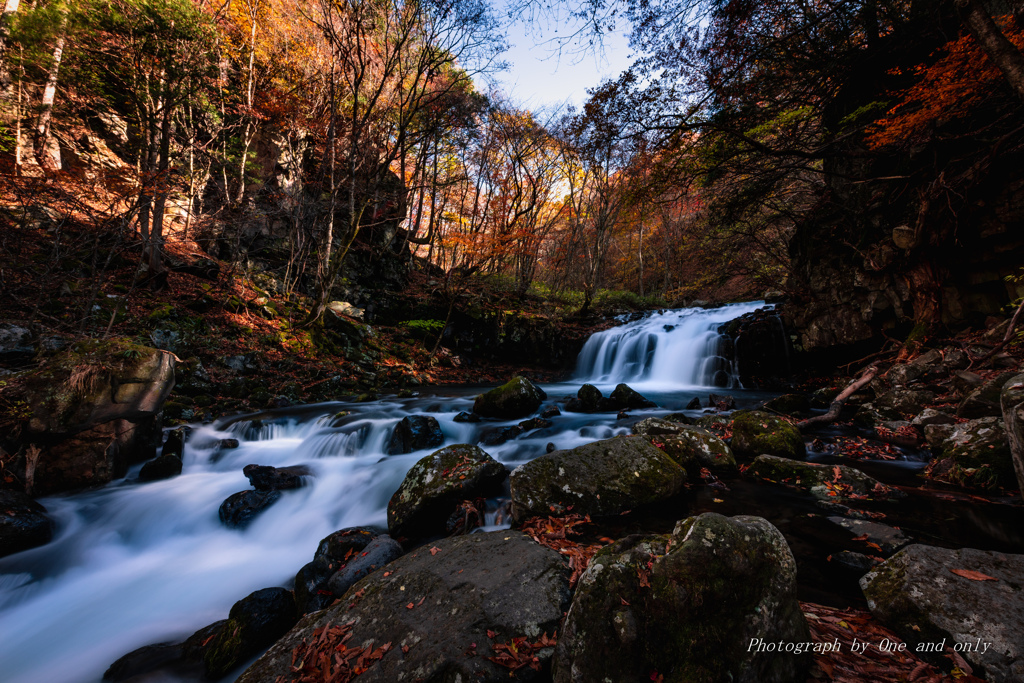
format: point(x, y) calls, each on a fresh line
point(443, 611)
point(976, 453)
point(755, 433)
point(436, 484)
point(519, 397)
point(91, 411)
point(917, 594)
point(694, 448)
point(254, 623)
point(599, 478)
point(825, 482)
point(686, 607)
point(1012, 404)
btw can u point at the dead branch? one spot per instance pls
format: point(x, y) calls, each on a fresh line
point(840, 400)
point(1006, 338)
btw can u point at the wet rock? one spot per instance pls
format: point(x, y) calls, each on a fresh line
point(239, 509)
point(460, 591)
point(499, 435)
point(976, 453)
point(23, 523)
point(311, 590)
point(267, 478)
point(144, 660)
point(518, 398)
point(345, 542)
point(550, 447)
point(1012, 404)
point(254, 622)
point(174, 441)
point(905, 401)
point(436, 484)
point(624, 397)
point(575, 405)
point(379, 552)
point(721, 402)
point(466, 417)
point(887, 539)
point(591, 397)
point(917, 595)
point(984, 401)
point(550, 412)
point(686, 606)
point(228, 444)
point(92, 410)
point(820, 480)
point(755, 433)
point(415, 433)
point(163, 467)
point(535, 423)
point(789, 404)
point(694, 404)
point(855, 562)
point(694, 448)
point(655, 426)
point(599, 478)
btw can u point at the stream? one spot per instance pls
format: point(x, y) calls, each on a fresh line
point(136, 563)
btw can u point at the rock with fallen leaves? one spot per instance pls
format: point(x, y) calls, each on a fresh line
point(23, 523)
point(976, 454)
point(658, 426)
point(971, 599)
point(435, 486)
point(482, 607)
point(877, 538)
point(694, 448)
point(379, 552)
point(600, 478)
point(1012, 402)
point(824, 482)
point(755, 433)
point(519, 397)
point(686, 607)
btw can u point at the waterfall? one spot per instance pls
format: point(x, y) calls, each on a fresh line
point(678, 349)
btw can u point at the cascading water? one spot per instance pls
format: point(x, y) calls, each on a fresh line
point(677, 349)
point(134, 563)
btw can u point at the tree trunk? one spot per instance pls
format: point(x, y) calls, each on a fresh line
point(47, 154)
point(6, 17)
point(999, 49)
point(162, 188)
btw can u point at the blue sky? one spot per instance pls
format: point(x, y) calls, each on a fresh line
point(541, 79)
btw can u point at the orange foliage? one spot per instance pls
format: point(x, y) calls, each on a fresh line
point(950, 88)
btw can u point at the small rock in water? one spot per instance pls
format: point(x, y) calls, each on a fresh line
point(721, 402)
point(622, 415)
point(534, 423)
point(267, 478)
point(311, 591)
point(228, 443)
point(694, 404)
point(175, 443)
point(164, 467)
point(550, 448)
point(550, 412)
point(414, 433)
point(23, 523)
point(625, 398)
point(466, 417)
point(498, 436)
point(239, 509)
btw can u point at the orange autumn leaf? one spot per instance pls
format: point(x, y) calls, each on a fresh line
point(973, 575)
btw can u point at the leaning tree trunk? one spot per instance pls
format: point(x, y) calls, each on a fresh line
point(999, 49)
point(47, 154)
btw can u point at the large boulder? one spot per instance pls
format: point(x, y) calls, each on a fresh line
point(658, 426)
point(519, 397)
point(1012, 403)
point(90, 412)
point(919, 595)
point(703, 604)
point(695, 448)
point(976, 453)
point(755, 433)
point(441, 613)
point(824, 482)
point(378, 552)
point(415, 433)
point(254, 622)
point(239, 509)
point(624, 397)
point(591, 397)
point(599, 478)
point(436, 484)
point(312, 591)
point(23, 523)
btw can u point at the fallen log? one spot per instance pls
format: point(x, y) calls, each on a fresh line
point(840, 400)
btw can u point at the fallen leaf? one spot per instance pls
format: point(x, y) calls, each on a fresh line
point(973, 575)
point(435, 550)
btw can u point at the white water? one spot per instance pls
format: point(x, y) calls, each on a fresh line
point(139, 563)
point(671, 350)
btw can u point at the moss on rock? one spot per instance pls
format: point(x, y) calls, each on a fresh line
point(519, 397)
point(755, 433)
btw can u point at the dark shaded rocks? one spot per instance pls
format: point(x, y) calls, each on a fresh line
point(721, 402)
point(534, 423)
point(23, 523)
point(687, 606)
point(267, 478)
point(1012, 404)
point(657, 426)
point(414, 433)
point(466, 417)
point(550, 412)
point(442, 610)
point(917, 595)
point(92, 410)
point(174, 441)
point(905, 401)
point(591, 397)
point(338, 545)
point(254, 622)
point(599, 478)
point(377, 553)
point(868, 415)
point(984, 401)
point(519, 397)
point(887, 539)
point(789, 404)
point(436, 484)
point(162, 467)
point(820, 480)
point(144, 660)
point(694, 404)
point(312, 592)
point(756, 433)
point(496, 436)
point(239, 509)
point(976, 453)
point(858, 563)
point(623, 397)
